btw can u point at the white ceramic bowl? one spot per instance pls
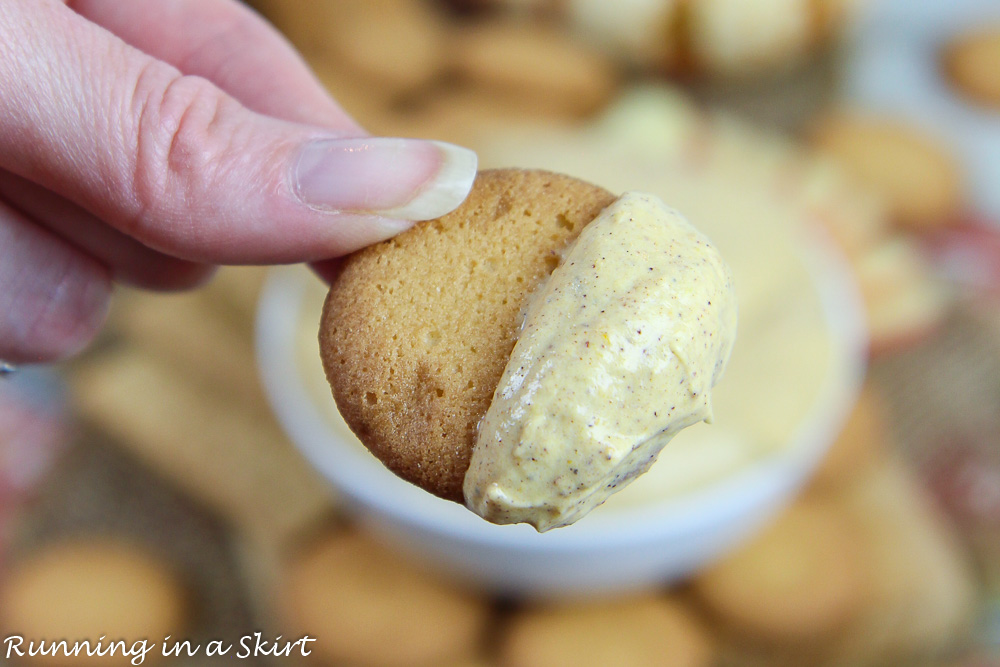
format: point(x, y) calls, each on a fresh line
point(630, 547)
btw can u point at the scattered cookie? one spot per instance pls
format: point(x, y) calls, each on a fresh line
point(306, 24)
point(531, 7)
point(917, 177)
point(417, 330)
point(854, 216)
point(904, 301)
point(709, 37)
point(393, 46)
point(733, 37)
point(89, 589)
point(533, 64)
point(397, 44)
point(636, 32)
point(920, 596)
point(367, 605)
point(798, 581)
point(972, 62)
point(862, 442)
point(640, 631)
point(831, 16)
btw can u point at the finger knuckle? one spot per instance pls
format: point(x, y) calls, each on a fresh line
point(182, 133)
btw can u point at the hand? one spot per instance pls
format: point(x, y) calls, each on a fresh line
point(145, 141)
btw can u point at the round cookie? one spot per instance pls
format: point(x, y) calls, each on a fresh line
point(972, 63)
point(904, 300)
point(391, 46)
point(918, 179)
point(366, 605)
point(416, 331)
point(536, 66)
point(641, 631)
point(863, 441)
point(83, 590)
point(733, 37)
point(799, 580)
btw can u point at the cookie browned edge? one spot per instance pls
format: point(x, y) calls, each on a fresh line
point(416, 330)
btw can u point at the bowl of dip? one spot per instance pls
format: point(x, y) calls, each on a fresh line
point(793, 376)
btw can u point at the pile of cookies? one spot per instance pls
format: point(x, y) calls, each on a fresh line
point(486, 40)
point(862, 570)
point(389, 58)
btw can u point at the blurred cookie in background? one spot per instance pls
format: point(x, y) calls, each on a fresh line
point(796, 583)
point(637, 33)
point(863, 441)
point(905, 301)
point(393, 46)
point(532, 65)
point(97, 589)
point(868, 574)
point(728, 38)
point(409, 68)
point(916, 175)
point(919, 591)
point(972, 64)
point(733, 37)
point(367, 605)
point(651, 630)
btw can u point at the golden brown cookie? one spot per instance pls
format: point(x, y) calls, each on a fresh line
point(535, 65)
point(635, 32)
point(919, 180)
point(830, 17)
point(863, 441)
point(647, 630)
point(396, 44)
point(367, 605)
point(904, 300)
point(737, 38)
point(798, 581)
point(973, 64)
point(416, 331)
point(920, 595)
point(390, 46)
point(86, 589)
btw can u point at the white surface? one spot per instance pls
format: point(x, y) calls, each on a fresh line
point(630, 547)
point(893, 66)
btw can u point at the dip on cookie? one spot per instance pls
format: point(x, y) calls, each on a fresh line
point(618, 351)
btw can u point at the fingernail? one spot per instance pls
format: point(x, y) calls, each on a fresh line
point(409, 179)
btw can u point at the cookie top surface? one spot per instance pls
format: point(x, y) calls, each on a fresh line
point(912, 171)
point(798, 580)
point(972, 62)
point(417, 330)
point(636, 631)
point(351, 594)
point(99, 589)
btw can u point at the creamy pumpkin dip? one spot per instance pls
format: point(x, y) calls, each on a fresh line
point(618, 351)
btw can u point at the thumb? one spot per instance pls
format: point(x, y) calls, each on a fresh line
point(184, 168)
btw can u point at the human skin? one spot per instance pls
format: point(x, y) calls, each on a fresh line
point(147, 141)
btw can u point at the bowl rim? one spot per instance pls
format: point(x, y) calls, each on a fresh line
point(367, 485)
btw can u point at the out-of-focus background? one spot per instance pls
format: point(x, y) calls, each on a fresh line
point(147, 489)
